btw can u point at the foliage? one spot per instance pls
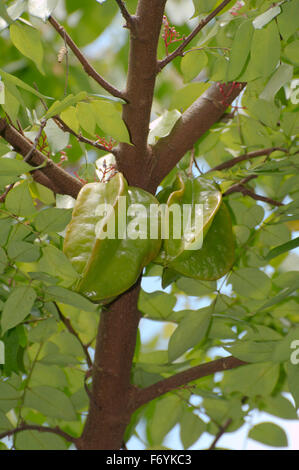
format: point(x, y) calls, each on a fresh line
point(48, 330)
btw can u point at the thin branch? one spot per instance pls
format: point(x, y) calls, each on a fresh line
point(84, 62)
point(172, 383)
point(244, 157)
point(36, 140)
point(239, 188)
point(29, 427)
point(65, 128)
point(222, 430)
point(135, 160)
point(199, 27)
point(3, 195)
point(53, 177)
point(70, 328)
point(130, 24)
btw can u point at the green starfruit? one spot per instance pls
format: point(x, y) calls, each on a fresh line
point(97, 243)
point(216, 255)
point(195, 202)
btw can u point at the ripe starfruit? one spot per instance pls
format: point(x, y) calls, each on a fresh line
point(97, 243)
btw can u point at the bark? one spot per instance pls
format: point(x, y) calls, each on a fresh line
point(111, 403)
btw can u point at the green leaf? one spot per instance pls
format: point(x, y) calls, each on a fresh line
point(191, 428)
point(109, 118)
point(192, 63)
point(9, 396)
point(70, 118)
point(203, 6)
point(60, 106)
point(162, 126)
point(265, 111)
point(190, 332)
point(252, 351)
point(17, 307)
point(252, 380)
point(52, 220)
point(281, 76)
point(156, 305)
point(278, 250)
point(57, 139)
point(19, 201)
point(55, 263)
point(240, 50)
point(251, 282)
point(85, 116)
point(265, 18)
point(280, 406)
point(11, 168)
point(23, 251)
point(291, 52)
point(60, 294)
point(184, 97)
point(269, 434)
point(7, 77)
point(288, 22)
point(27, 40)
point(3, 260)
point(293, 381)
point(262, 64)
point(167, 411)
point(50, 402)
point(196, 288)
point(35, 440)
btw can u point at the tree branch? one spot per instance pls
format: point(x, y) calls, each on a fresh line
point(245, 157)
point(66, 321)
point(140, 91)
point(222, 430)
point(202, 24)
point(182, 378)
point(65, 128)
point(53, 177)
point(84, 62)
point(110, 398)
point(240, 188)
point(194, 122)
point(29, 427)
point(130, 24)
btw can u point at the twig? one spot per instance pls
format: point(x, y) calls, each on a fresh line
point(129, 19)
point(52, 176)
point(84, 62)
point(41, 128)
point(172, 383)
point(30, 427)
point(244, 157)
point(3, 195)
point(70, 328)
point(64, 127)
point(220, 433)
point(66, 65)
point(240, 188)
point(202, 24)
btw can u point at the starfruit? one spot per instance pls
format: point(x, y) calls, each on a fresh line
point(217, 254)
point(214, 255)
point(108, 266)
point(202, 200)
